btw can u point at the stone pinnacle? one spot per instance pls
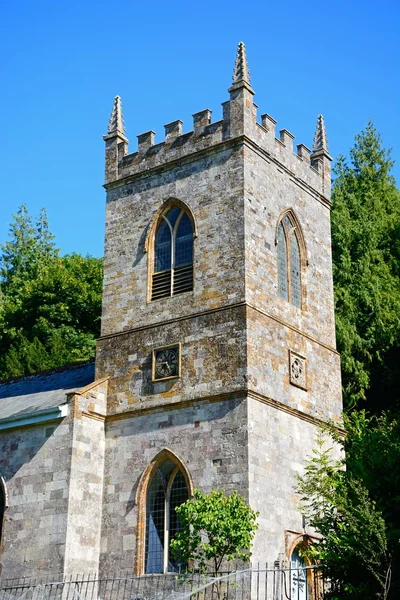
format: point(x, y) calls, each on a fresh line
point(320, 139)
point(116, 123)
point(241, 70)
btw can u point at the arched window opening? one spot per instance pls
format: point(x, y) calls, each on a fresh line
point(283, 282)
point(3, 506)
point(298, 577)
point(173, 255)
point(167, 489)
point(289, 261)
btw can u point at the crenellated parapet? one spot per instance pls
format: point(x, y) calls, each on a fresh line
point(239, 122)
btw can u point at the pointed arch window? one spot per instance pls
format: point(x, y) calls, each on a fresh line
point(173, 254)
point(166, 490)
point(3, 506)
point(289, 261)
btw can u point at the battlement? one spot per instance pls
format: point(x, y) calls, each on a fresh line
point(239, 121)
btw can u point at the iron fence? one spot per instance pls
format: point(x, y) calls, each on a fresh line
point(253, 583)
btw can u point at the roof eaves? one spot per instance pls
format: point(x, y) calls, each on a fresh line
point(34, 418)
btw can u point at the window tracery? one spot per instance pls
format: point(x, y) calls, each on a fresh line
point(165, 484)
point(167, 489)
point(173, 254)
point(289, 260)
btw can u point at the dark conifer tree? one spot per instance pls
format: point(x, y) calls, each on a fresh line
point(366, 270)
point(50, 305)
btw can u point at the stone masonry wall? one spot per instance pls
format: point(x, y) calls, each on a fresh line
point(279, 445)
point(54, 477)
point(213, 350)
point(35, 463)
point(86, 481)
point(212, 187)
point(210, 438)
point(268, 345)
point(269, 190)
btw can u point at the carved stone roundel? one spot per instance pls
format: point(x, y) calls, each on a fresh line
point(297, 371)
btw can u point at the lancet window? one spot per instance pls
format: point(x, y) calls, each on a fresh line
point(289, 260)
point(3, 506)
point(173, 254)
point(166, 490)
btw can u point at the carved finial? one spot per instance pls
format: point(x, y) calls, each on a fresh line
point(320, 139)
point(116, 123)
point(241, 70)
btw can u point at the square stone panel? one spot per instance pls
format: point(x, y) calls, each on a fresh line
point(297, 370)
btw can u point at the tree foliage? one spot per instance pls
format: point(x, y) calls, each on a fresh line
point(355, 502)
point(373, 458)
point(49, 304)
point(354, 545)
point(366, 269)
point(215, 527)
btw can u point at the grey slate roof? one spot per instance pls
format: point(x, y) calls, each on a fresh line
point(38, 392)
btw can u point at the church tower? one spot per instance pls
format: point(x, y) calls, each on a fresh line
point(218, 332)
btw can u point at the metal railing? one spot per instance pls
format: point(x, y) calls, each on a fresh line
point(256, 582)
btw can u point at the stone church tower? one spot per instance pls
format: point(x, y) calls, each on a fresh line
point(216, 363)
point(218, 333)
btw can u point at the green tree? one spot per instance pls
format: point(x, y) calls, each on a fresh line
point(355, 503)
point(24, 357)
point(373, 457)
point(354, 547)
point(215, 527)
point(50, 305)
point(28, 249)
point(366, 270)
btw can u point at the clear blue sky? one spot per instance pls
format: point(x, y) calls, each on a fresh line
point(63, 61)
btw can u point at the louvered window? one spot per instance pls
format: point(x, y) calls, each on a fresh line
point(289, 261)
point(173, 255)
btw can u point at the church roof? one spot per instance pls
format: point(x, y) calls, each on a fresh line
point(48, 390)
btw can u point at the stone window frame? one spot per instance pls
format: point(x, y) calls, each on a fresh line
point(149, 246)
point(297, 230)
point(3, 508)
point(141, 497)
